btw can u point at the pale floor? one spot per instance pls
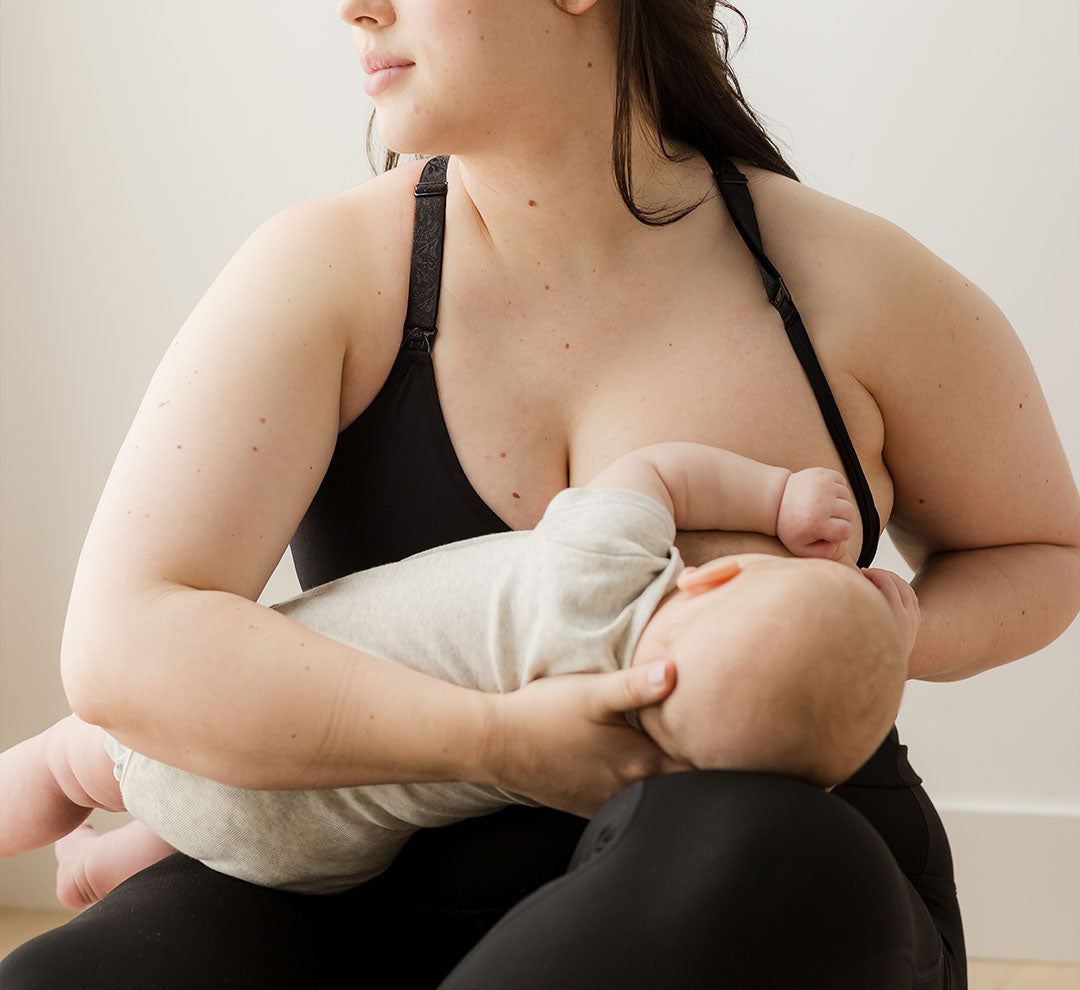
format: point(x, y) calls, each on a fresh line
point(985, 974)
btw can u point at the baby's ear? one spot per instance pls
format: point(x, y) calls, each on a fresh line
point(695, 580)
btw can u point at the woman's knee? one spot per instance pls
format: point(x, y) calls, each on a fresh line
point(761, 851)
point(711, 878)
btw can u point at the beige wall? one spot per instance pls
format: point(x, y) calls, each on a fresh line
point(140, 148)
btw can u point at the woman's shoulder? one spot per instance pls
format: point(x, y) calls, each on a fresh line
point(355, 246)
point(359, 224)
point(861, 275)
point(804, 227)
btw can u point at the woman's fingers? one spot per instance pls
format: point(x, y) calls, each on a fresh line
point(624, 690)
point(565, 741)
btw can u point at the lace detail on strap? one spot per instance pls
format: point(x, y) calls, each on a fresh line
point(425, 275)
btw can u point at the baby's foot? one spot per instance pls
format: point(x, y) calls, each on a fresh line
point(73, 851)
point(816, 514)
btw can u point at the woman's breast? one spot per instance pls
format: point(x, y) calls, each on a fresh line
point(531, 410)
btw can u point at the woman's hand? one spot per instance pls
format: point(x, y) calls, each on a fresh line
point(564, 740)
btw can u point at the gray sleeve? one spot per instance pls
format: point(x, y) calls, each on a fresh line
point(612, 521)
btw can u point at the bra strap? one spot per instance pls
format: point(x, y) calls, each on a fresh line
point(733, 187)
point(425, 274)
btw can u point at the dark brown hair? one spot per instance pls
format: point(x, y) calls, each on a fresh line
point(673, 65)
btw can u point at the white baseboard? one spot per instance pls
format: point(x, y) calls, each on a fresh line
point(1018, 880)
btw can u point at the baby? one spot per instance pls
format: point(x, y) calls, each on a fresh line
point(791, 666)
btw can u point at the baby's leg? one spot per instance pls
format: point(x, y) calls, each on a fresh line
point(90, 865)
point(50, 783)
point(48, 786)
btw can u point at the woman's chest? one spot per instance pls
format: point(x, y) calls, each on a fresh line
point(538, 398)
point(538, 391)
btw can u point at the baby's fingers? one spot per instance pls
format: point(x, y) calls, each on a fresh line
point(835, 530)
point(843, 508)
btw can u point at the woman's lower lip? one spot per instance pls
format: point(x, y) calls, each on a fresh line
point(378, 81)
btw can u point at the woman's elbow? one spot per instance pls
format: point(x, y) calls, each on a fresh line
point(95, 655)
point(85, 675)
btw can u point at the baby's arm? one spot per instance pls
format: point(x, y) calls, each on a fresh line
point(706, 487)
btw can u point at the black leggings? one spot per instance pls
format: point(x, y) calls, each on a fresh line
point(701, 879)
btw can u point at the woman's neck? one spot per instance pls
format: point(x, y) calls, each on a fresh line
point(556, 218)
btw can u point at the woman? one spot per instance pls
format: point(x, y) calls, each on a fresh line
point(569, 331)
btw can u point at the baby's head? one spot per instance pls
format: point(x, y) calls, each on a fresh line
point(789, 666)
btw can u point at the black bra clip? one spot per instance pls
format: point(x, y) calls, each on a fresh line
point(419, 338)
point(430, 189)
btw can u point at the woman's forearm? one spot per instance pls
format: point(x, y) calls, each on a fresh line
point(986, 607)
point(229, 689)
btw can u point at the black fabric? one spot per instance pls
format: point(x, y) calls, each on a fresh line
point(757, 881)
point(767, 854)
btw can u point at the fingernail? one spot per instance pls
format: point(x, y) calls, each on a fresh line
point(657, 674)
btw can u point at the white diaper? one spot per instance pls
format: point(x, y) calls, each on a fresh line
point(120, 755)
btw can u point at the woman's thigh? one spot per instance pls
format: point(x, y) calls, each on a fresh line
point(716, 878)
point(179, 924)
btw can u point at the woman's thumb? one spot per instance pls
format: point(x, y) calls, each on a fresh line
point(639, 687)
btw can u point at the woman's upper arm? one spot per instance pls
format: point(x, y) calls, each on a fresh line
point(233, 434)
point(969, 442)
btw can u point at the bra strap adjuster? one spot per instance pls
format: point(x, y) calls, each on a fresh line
point(430, 189)
point(419, 338)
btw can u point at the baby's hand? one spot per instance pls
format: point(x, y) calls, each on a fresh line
point(816, 512)
point(902, 600)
